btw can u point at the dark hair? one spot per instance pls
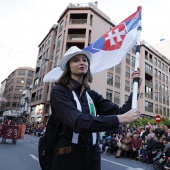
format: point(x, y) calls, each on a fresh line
point(65, 77)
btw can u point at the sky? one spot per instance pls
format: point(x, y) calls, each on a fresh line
point(24, 24)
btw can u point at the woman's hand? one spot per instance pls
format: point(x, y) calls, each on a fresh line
point(137, 74)
point(129, 117)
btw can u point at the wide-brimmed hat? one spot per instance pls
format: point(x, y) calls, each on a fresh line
point(71, 52)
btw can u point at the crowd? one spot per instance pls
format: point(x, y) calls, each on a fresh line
point(138, 143)
point(35, 128)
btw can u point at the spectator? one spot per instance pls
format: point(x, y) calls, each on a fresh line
point(107, 147)
point(114, 146)
point(126, 145)
point(136, 143)
point(168, 133)
point(159, 131)
point(142, 130)
point(166, 143)
point(158, 147)
point(146, 132)
point(147, 149)
point(152, 132)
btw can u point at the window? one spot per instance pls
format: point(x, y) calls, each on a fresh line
point(160, 110)
point(30, 73)
point(155, 72)
point(150, 58)
point(127, 86)
point(110, 79)
point(128, 58)
point(20, 80)
point(47, 42)
point(160, 87)
point(159, 64)
point(21, 72)
point(133, 61)
point(166, 69)
point(18, 88)
point(166, 89)
point(40, 94)
point(17, 96)
point(163, 66)
point(46, 53)
point(127, 72)
point(156, 96)
point(37, 94)
point(159, 75)
point(164, 101)
point(163, 77)
point(163, 88)
point(146, 55)
point(14, 104)
point(148, 68)
point(57, 56)
point(29, 81)
point(116, 97)
point(155, 61)
point(166, 79)
point(118, 68)
point(160, 98)
point(156, 108)
point(61, 26)
point(39, 50)
point(156, 85)
point(59, 41)
point(149, 93)
point(148, 106)
point(109, 94)
point(167, 112)
point(117, 82)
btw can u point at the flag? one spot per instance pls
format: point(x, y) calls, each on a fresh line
point(113, 46)
point(109, 49)
point(2, 99)
point(53, 75)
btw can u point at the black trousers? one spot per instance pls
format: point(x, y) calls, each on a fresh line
point(77, 160)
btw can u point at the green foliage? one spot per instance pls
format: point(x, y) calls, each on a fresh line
point(144, 121)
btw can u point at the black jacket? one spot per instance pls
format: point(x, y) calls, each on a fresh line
point(72, 120)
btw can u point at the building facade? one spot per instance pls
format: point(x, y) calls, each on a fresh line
point(80, 25)
point(45, 62)
point(18, 81)
point(154, 97)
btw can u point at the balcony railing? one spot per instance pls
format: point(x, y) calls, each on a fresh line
point(76, 37)
point(78, 21)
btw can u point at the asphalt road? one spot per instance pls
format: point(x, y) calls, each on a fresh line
point(24, 156)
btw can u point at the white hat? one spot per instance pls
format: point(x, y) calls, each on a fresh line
point(71, 52)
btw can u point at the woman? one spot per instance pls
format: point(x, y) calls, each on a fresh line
point(76, 106)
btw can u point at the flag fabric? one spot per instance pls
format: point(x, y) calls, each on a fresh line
point(111, 48)
point(53, 75)
point(2, 99)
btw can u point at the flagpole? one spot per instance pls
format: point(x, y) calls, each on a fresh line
point(136, 80)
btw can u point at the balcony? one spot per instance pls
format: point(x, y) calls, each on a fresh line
point(76, 37)
point(148, 83)
point(78, 21)
point(36, 75)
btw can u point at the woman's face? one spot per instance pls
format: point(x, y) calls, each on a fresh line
point(78, 65)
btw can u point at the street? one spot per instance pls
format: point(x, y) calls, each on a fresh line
point(24, 156)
